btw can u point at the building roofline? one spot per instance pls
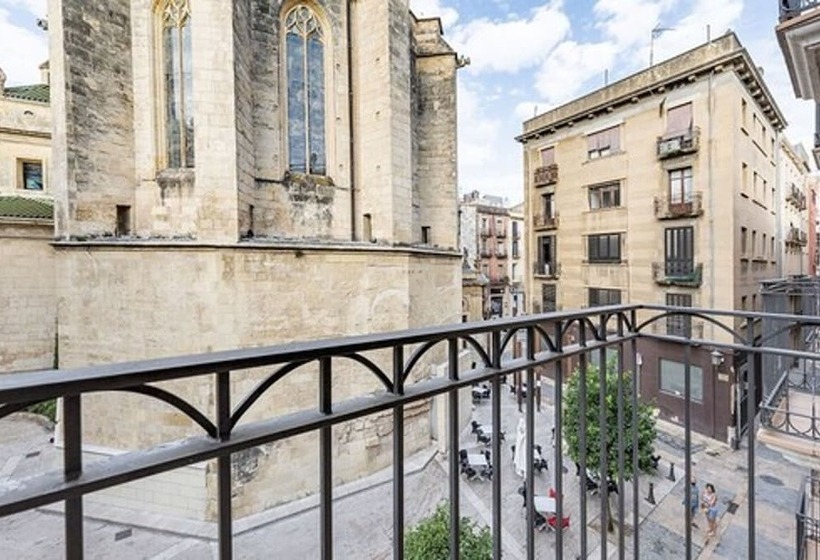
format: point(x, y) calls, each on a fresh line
point(608, 98)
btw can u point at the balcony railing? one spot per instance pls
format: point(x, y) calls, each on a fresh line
point(542, 220)
point(807, 520)
point(796, 237)
point(545, 175)
point(501, 233)
point(683, 274)
point(678, 143)
point(793, 8)
point(485, 252)
point(797, 198)
point(400, 355)
point(666, 209)
point(549, 269)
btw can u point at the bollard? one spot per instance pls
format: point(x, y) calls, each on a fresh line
point(671, 472)
point(651, 497)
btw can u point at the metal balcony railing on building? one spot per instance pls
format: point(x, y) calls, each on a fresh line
point(501, 233)
point(678, 143)
point(545, 175)
point(668, 209)
point(550, 269)
point(796, 238)
point(793, 8)
point(543, 221)
point(807, 518)
point(684, 274)
point(393, 362)
point(797, 198)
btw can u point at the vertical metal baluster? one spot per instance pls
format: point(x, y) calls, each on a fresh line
point(398, 455)
point(72, 469)
point(326, 460)
point(452, 350)
point(603, 470)
point(621, 520)
point(636, 540)
point(496, 457)
point(223, 466)
point(558, 459)
point(529, 459)
point(751, 409)
point(687, 433)
point(582, 426)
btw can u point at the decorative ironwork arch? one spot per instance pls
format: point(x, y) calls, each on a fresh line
point(262, 387)
point(177, 402)
point(695, 314)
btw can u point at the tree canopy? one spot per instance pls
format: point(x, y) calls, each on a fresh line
point(430, 539)
point(572, 421)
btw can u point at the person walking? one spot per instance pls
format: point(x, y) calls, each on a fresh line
point(709, 505)
point(694, 500)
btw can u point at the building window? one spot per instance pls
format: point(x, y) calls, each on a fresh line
point(604, 248)
point(515, 249)
point(743, 111)
point(548, 297)
point(679, 245)
point(123, 220)
point(177, 82)
point(547, 156)
point(305, 56)
point(425, 234)
point(679, 119)
point(546, 255)
point(605, 196)
point(744, 234)
point(679, 325)
point(673, 380)
point(680, 185)
point(548, 206)
point(744, 178)
point(604, 142)
point(31, 175)
point(604, 296)
point(743, 302)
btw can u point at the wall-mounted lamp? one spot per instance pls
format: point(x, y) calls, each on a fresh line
point(717, 357)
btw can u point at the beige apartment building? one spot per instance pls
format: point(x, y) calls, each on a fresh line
point(663, 188)
point(28, 300)
point(240, 174)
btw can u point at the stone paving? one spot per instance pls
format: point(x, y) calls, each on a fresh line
point(363, 512)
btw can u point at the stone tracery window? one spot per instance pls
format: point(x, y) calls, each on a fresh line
point(304, 48)
point(176, 74)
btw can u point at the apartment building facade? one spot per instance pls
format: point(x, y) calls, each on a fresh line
point(485, 232)
point(662, 187)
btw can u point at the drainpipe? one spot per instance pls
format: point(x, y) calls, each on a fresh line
point(710, 186)
point(350, 105)
point(778, 232)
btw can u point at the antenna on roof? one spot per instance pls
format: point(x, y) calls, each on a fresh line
point(657, 31)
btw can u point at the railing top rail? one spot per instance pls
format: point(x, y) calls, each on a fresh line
point(46, 384)
point(793, 8)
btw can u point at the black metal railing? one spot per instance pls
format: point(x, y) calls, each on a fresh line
point(779, 414)
point(807, 521)
point(678, 143)
point(551, 339)
point(793, 8)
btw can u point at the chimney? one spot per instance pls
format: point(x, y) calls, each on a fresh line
point(45, 74)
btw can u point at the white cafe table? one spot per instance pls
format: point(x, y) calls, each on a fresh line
point(544, 504)
point(477, 460)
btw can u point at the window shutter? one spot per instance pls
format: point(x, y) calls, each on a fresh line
point(679, 119)
point(614, 134)
point(547, 156)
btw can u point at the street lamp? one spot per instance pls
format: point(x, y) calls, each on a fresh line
point(717, 360)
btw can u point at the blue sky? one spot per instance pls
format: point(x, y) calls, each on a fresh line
point(527, 56)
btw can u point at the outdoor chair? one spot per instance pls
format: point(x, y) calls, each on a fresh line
point(553, 523)
point(476, 427)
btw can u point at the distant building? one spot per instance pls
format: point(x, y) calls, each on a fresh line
point(485, 241)
point(664, 187)
point(517, 262)
point(28, 298)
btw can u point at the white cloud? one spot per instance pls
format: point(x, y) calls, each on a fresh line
point(513, 44)
point(570, 66)
point(37, 8)
point(21, 50)
point(435, 8)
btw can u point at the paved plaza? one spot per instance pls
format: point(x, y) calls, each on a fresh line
point(363, 512)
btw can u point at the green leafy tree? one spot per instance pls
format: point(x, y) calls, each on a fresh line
point(430, 539)
point(573, 408)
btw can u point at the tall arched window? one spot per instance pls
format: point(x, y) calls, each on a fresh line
point(304, 47)
point(177, 81)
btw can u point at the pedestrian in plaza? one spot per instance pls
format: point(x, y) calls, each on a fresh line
point(694, 500)
point(709, 505)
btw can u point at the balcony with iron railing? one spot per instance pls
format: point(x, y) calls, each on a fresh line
point(797, 198)
point(796, 238)
point(485, 252)
point(546, 269)
point(545, 175)
point(678, 143)
point(392, 361)
point(807, 520)
point(545, 221)
point(683, 274)
point(668, 209)
point(792, 8)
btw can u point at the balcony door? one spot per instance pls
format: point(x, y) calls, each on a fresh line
point(679, 252)
point(546, 254)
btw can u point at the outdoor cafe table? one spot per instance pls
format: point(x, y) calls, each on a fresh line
point(544, 504)
point(477, 460)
